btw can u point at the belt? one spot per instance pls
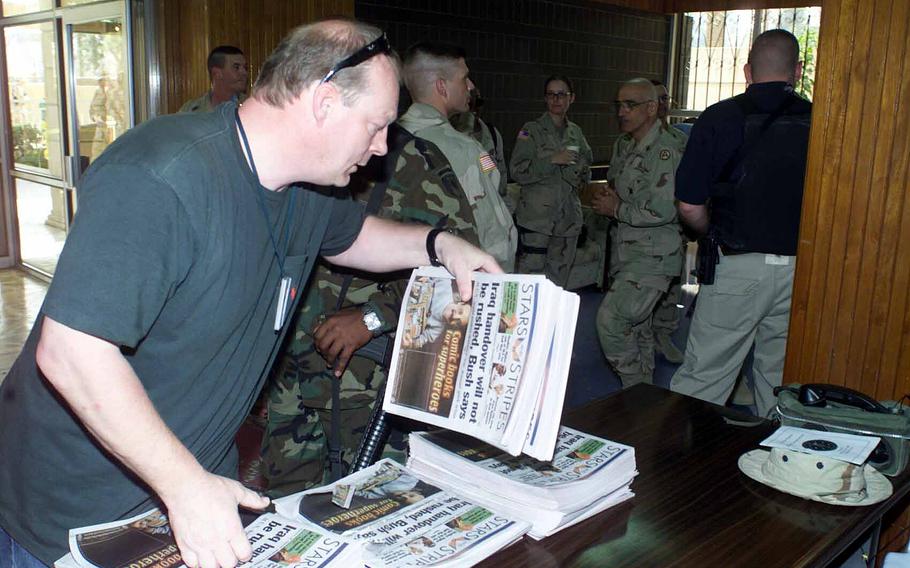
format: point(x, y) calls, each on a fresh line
point(727, 251)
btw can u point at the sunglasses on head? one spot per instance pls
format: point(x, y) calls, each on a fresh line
point(375, 47)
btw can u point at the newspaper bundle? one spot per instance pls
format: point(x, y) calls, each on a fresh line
point(146, 541)
point(399, 520)
point(588, 474)
point(494, 368)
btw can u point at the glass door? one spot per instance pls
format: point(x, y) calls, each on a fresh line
point(98, 81)
point(69, 85)
point(38, 139)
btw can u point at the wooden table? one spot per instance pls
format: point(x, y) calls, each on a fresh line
point(692, 505)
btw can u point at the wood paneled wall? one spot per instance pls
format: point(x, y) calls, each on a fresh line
point(850, 320)
point(850, 323)
point(188, 29)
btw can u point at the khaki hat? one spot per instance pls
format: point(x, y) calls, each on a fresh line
point(815, 477)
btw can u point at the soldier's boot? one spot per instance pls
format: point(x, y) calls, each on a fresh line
point(665, 346)
point(742, 393)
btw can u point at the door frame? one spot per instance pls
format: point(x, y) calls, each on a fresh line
point(79, 15)
point(10, 249)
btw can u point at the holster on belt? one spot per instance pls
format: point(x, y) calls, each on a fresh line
point(707, 259)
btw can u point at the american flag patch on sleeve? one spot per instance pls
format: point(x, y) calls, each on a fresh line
point(487, 164)
point(522, 134)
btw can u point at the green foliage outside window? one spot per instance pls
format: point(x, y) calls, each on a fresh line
point(29, 146)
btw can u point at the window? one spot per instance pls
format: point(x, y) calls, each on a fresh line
point(714, 46)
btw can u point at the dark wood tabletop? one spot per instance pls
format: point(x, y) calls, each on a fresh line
point(692, 505)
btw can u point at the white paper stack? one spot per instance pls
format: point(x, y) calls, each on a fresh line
point(587, 475)
point(399, 519)
point(494, 368)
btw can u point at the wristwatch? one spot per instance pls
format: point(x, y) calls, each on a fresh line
point(431, 245)
point(371, 319)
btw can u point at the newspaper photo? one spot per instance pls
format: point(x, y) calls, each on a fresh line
point(479, 367)
point(399, 520)
point(146, 541)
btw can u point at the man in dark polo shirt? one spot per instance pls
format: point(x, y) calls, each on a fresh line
point(166, 309)
point(741, 181)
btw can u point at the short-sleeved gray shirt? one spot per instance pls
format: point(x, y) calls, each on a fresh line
point(170, 258)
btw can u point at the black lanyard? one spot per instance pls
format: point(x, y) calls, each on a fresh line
point(265, 213)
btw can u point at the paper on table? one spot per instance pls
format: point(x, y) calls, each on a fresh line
point(846, 447)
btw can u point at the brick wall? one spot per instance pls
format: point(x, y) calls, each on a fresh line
point(513, 46)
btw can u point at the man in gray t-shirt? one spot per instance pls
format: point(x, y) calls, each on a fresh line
point(164, 315)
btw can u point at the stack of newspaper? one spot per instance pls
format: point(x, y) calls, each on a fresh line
point(494, 368)
point(146, 540)
point(587, 475)
point(385, 516)
point(401, 520)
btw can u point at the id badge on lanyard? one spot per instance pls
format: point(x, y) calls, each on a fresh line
point(283, 301)
point(286, 290)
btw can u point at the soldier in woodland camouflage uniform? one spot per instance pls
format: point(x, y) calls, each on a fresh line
point(552, 162)
point(487, 134)
point(437, 78)
point(646, 238)
point(422, 189)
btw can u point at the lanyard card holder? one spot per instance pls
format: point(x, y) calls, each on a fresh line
point(283, 302)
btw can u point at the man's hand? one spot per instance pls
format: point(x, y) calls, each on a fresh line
point(564, 157)
point(605, 202)
point(461, 258)
point(203, 515)
point(339, 336)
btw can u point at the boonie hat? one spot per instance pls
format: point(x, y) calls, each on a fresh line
point(816, 477)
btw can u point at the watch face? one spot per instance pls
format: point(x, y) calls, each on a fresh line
point(371, 320)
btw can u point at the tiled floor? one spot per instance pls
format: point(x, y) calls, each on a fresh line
point(21, 296)
point(40, 234)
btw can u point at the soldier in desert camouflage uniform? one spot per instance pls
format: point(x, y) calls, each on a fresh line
point(552, 162)
point(668, 313)
point(422, 189)
point(646, 239)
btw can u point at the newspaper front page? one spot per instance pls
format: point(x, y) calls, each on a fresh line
point(543, 433)
point(400, 520)
point(558, 484)
point(474, 367)
point(146, 541)
point(578, 456)
point(587, 475)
